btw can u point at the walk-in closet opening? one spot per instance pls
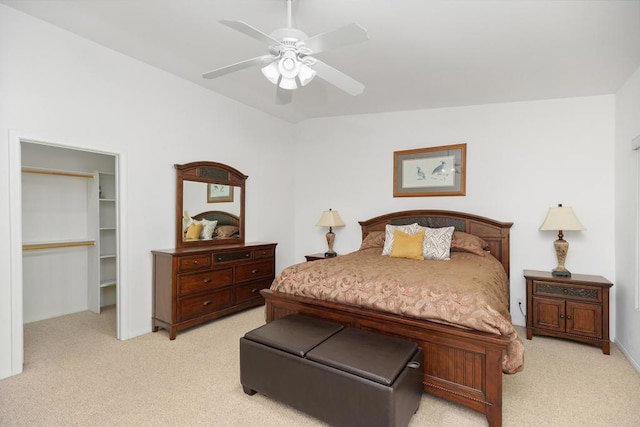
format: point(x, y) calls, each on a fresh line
point(69, 232)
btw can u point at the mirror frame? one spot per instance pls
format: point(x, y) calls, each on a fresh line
point(209, 173)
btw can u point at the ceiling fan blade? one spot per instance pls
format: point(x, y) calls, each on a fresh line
point(350, 34)
point(283, 96)
point(260, 60)
point(338, 78)
point(252, 32)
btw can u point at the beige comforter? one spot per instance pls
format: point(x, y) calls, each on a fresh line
point(468, 290)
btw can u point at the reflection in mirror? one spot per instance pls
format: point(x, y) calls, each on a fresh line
point(209, 204)
point(206, 203)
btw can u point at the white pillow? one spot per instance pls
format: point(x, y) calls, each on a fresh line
point(388, 235)
point(207, 228)
point(437, 242)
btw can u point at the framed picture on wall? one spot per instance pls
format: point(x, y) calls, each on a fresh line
point(433, 171)
point(217, 193)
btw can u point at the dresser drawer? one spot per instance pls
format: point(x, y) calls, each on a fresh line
point(251, 291)
point(195, 282)
point(196, 306)
point(232, 256)
point(194, 262)
point(264, 253)
point(253, 271)
point(585, 293)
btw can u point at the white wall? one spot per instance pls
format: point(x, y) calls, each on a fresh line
point(71, 91)
point(626, 162)
point(522, 158)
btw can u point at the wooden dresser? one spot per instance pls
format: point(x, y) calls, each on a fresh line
point(194, 285)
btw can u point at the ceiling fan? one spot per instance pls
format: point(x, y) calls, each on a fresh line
point(289, 63)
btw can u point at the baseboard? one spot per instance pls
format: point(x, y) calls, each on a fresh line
point(628, 356)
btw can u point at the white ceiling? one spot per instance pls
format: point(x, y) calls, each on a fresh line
point(420, 53)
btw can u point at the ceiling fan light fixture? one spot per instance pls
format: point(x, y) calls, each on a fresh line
point(288, 83)
point(288, 65)
point(306, 74)
point(271, 72)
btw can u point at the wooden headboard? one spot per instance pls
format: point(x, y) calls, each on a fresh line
point(495, 233)
point(223, 218)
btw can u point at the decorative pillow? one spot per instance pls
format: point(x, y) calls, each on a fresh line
point(466, 242)
point(207, 229)
point(388, 235)
point(407, 245)
point(193, 232)
point(437, 242)
point(225, 231)
point(374, 239)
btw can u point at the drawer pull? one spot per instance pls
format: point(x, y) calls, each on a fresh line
point(565, 291)
point(247, 255)
point(207, 280)
point(206, 302)
point(562, 316)
point(195, 261)
point(253, 291)
point(569, 317)
point(254, 271)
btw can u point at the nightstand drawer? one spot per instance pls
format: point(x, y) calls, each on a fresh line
point(577, 292)
point(195, 262)
point(188, 283)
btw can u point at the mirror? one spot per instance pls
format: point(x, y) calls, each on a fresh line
point(209, 205)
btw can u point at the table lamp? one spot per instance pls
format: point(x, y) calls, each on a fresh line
point(330, 219)
point(561, 218)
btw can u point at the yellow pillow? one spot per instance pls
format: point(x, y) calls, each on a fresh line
point(407, 245)
point(193, 232)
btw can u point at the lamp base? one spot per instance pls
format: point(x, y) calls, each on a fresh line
point(330, 254)
point(561, 273)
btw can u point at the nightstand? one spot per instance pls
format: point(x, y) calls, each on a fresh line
point(575, 308)
point(316, 257)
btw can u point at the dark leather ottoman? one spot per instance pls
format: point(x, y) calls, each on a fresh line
point(343, 376)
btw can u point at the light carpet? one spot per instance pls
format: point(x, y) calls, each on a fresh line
point(77, 374)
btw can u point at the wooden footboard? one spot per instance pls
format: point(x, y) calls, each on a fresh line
point(460, 365)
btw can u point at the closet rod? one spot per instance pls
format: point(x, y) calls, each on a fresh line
point(35, 246)
point(60, 173)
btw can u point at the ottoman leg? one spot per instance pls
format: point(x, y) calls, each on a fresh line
point(248, 391)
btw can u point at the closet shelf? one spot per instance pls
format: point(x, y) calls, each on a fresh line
point(57, 172)
point(53, 244)
point(107, 283)
point(105, 256)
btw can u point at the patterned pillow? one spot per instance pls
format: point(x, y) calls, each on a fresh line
point(437, 242)
point(374, 239)
point(206, 233)
point(225, 231)
point(465, 242)
point(388, 235)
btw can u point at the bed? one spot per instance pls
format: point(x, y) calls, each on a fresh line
point(225, 225)
point(462, 365)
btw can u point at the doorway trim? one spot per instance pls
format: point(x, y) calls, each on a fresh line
point(15, 218)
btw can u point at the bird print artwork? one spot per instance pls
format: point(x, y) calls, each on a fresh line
point(420, 173)
point(440, 171)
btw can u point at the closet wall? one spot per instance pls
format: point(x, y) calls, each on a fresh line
point(55, 208)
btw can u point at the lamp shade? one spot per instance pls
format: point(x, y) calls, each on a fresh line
point(561, 218)
point(330, 218)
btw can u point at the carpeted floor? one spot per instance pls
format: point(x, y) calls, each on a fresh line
point(77, 374)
